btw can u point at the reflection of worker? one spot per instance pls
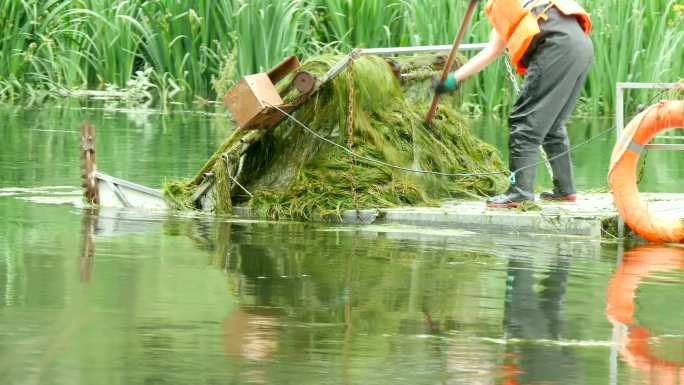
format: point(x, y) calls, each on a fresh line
point(547, 39)
point(531, 316)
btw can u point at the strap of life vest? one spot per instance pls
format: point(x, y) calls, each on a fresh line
point(531, 4)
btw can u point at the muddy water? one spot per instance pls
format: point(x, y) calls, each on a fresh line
point(119, 297)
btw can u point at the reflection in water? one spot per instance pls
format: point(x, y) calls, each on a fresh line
point(262, 303)
point(349, 328)
point(165, 299)
point(342, 302)
point(88, 227)
point(533, 313)
point(258, 277)
point(250, 333)
point(638, 346)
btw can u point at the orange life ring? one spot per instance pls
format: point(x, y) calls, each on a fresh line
point(634, 349)
point(623, 167)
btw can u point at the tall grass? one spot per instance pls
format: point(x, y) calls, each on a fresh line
point(635, 40)
point(361, 23)
point(269, 30)
point(182, 42)
point(110, 42)
point(181, 46)
point(39, 46)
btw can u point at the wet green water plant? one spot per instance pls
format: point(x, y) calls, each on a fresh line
point(292, 174)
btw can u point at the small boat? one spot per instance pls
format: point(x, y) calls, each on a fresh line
point(115, 192)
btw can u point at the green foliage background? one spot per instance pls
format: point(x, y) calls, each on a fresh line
point(184, 49)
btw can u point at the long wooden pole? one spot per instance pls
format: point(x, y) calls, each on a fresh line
point(89, 164)
point(451, 59)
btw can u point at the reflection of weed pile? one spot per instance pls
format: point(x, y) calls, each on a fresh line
point(292, 174)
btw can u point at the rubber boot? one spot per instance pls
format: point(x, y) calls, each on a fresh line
point(563, 184)
point(523, 188)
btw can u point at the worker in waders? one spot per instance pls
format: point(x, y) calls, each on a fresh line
point(548, 42)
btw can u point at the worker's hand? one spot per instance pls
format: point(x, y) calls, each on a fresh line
point(450, 85)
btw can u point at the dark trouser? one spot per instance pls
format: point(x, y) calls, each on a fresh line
point(558, 63)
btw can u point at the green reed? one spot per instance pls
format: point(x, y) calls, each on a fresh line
point(269, 30)
point(182, 47)
point(183, 42)
point(635, 41)
point(361, 23)
point(39, 46)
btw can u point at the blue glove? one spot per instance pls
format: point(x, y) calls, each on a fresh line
point(450, 85)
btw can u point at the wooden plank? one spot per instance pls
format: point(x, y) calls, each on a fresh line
point(283, 69)
point(202, 189)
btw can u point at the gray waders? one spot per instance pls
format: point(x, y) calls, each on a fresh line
point(558, 63)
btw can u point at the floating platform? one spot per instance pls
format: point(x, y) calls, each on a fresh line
point(592, 216)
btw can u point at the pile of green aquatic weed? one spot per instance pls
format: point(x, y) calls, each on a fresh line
point(292, 174)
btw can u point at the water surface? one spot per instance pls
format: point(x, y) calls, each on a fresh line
point(128, 297)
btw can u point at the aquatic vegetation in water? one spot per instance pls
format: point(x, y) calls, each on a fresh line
point(292, 174)
point(528, 206)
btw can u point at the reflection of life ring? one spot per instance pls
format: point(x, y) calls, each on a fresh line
point(510, 370)
point(635, 350)
point(623, 166)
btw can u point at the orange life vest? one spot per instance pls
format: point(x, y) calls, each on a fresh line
point(518, 26)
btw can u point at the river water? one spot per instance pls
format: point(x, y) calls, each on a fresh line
point(124, 297)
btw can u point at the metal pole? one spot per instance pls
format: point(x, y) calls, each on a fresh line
point(619, 330)
point(358, 52)
point(620, 123)
point(421, 49)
